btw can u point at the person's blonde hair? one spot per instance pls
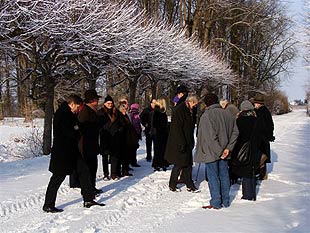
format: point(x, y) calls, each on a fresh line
point(161, 103)
point(192, 98)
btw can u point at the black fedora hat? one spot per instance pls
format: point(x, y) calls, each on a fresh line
point(90, 95)
point(181, 89)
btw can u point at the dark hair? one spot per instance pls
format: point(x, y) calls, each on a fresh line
point(210, 99)
point(75, 99)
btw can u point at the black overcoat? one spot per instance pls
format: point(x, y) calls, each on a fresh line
point(65, 141)
point(267, 127)
point(160, 124)
point(180, 141)
point(249, 130)
point(112, 132)
point(89, 126)
point(145, 117)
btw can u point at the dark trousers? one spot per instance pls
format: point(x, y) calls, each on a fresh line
point(52, 188)
point(131, 156)
point(92, 164)
point(249, 188)
point(74, 181)
point(148, 143)
point(159, 152)
point(186, 173)
point(128, 157)
point(115, 166)
point(105, 165)
point(57, 179)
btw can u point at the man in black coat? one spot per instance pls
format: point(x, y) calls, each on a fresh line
point(89, 126)
point(264, 116)
point(180, 144)
point(65, 156)
point(146, 120)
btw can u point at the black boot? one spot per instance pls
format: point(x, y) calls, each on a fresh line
point(88, 204)
point(53, 209)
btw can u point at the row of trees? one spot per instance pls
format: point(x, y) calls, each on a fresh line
point(254, 37)
point(140, 48)
point(54, 48)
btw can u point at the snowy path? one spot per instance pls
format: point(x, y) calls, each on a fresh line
point(142, 203)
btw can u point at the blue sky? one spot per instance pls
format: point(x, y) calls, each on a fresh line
point(294, 86)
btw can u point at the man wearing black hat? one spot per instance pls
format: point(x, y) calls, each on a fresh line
point(265, 118)
point(181, 93)
point(89, 142)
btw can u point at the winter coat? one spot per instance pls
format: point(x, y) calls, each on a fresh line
point(131, 135)
point(111, 132)
point(267, 127)
point(65, 141)
point(89, 126)
point(232, 109)
point(181, 137)
point(145, 117)
point(194, 111)
point(136, 122)
point(217, 131)
point(160, 124)
point(248, 127)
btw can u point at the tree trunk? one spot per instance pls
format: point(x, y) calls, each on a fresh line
point(48, 118)
point(133, 82)
point(154, 89)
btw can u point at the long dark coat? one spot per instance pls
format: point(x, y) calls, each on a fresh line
point(131, 135)
point(65, 142)
point(112, 132)
point(267, 127)
point(181, 137)
point(89, 126)
point(160, 124)
point(249, 130)
point(145, 117)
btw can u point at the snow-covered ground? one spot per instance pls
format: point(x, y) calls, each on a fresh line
point(143, 203)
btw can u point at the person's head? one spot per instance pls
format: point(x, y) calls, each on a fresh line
point(153, 103)
point(181, 91)
point(161, 103)
point(258, 100)
point(210, 99)
point(192, 100)
point(123, 109)
point(123, 101)
point(74, 102)
point(246, 105)
point(223, 103)
point(134, 107)
point(91, 95)
point(108, 102)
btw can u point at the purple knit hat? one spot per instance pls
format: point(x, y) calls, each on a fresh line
point(134, 106)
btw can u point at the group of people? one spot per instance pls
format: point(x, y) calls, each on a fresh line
point(232, 144)
point(82, 131)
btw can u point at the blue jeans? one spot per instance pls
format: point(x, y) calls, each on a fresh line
point(219, 184)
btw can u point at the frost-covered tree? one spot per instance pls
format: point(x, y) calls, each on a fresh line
point(91, 35)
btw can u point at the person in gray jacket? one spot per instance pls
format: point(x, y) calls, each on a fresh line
point(217, 135)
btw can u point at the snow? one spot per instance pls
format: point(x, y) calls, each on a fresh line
point(143, 202)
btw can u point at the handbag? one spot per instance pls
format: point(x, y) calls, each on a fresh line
point(243, 157)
